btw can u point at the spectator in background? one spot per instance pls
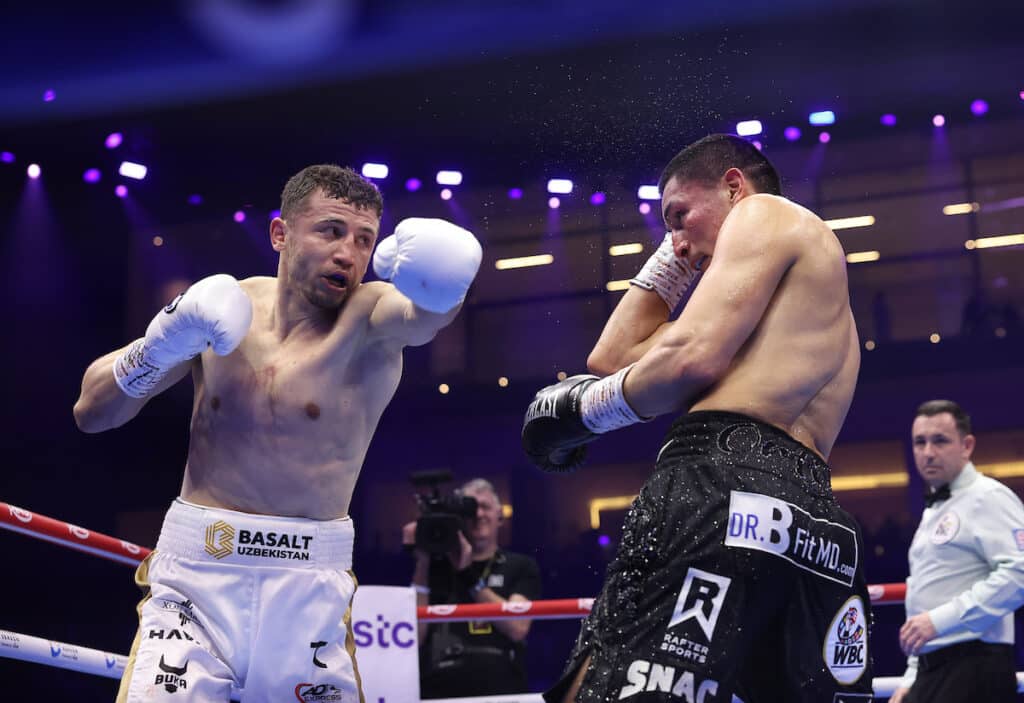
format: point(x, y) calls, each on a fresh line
point(474, 658)
point(966, 571)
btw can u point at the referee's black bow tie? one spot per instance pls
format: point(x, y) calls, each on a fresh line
point(933, 497)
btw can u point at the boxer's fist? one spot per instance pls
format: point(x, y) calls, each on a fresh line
point(553, 431)
point(214, 312)
point(667, 274)
point(430, 261)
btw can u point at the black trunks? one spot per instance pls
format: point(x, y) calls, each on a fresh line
point(738, 578)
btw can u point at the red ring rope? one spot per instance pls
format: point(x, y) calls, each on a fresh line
point(68, 535)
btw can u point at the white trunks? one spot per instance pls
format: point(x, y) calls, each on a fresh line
point(251, 602)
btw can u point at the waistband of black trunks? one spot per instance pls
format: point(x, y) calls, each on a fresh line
point(748, 443)
point(933, 660)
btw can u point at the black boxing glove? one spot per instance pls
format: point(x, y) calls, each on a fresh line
point(553, 431)
point(570, 414)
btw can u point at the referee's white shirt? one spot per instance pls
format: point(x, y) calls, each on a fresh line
point(967, 564)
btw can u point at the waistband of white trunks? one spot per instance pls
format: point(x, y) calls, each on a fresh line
point(221, 536)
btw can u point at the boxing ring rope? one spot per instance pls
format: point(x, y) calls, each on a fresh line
point(15, 645)
point(67, 535)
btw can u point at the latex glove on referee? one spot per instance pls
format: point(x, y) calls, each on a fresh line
point(430, 261)
point(213, 313)
point(563, 418)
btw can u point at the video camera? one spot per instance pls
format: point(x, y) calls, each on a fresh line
point(441, 516)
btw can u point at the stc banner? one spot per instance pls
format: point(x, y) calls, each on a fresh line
point(384, 625)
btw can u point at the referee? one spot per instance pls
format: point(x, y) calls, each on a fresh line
point(966, 571)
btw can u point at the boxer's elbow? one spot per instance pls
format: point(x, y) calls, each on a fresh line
point(88, 419)
point(604, 361)
point(92, 416)
point(599, 364)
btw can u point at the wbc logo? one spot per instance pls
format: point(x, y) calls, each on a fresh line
point(846, 648)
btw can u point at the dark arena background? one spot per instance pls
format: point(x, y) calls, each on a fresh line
point(145, 145)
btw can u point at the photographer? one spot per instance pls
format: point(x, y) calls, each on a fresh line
point(471, 658)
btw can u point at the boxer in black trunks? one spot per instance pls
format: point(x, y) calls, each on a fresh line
point(738, 577)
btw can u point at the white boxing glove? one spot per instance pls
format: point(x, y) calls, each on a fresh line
point(214, 312)
point(430, 261)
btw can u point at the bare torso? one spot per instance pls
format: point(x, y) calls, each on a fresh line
point(281, 426)
point(798, 369)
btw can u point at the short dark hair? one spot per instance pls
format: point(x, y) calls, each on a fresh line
point(335, 182)
point(937, 407)
point(706, 160)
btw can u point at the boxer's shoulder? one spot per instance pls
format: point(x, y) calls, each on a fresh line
point(373, 290)
point(259, 287)
point(365, 298)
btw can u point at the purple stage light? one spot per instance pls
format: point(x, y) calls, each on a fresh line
point(604, 540)
point(446, 194)
point(791, 133)
point(515, 193)
point(824, 137)
point(7, 157)
point(597, 198)
point(939, 120)
point(1021, 95)
point(979, 108)
point(113, 140)
point(34, 171)
point(195, 199)
point(554, 202)
point(49, 96)
point(121, 191)
point(888, 119)
point(91, 176)
point(239, 216)
point(274, 214)
point(413, 184)
point(645, 208)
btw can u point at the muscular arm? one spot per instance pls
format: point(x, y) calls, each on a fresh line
point(756, 247)
point(103, 406)
point(396, 317)
point(636, 325)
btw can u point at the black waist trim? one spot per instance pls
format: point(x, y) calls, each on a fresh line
point(746, 443)
point(933, 660)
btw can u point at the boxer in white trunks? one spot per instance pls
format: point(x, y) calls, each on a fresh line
point(250, 584)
